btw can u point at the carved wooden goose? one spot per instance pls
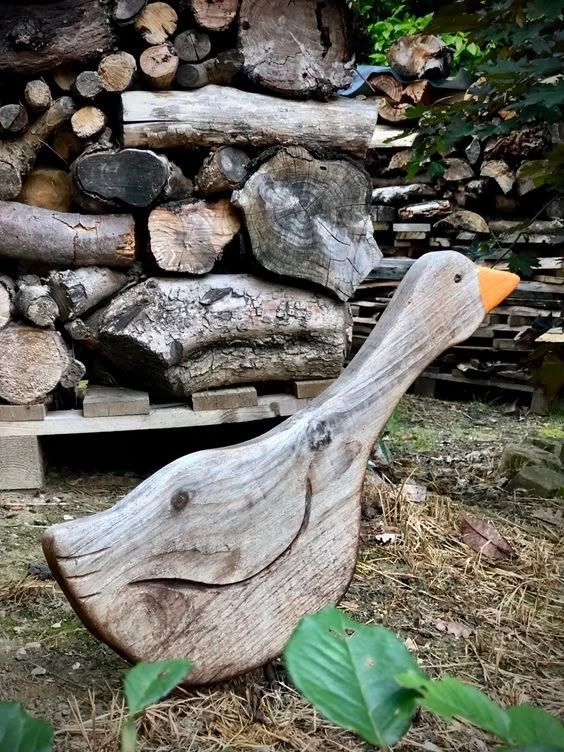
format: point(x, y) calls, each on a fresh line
point(218, 555)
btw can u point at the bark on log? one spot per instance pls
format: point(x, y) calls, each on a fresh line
point(420, 56)
point(214, 116)
point(34, 302)
point(220, 70)
point(130, 177)
point(117, 71)
point(222, 170)
point(33, 363)
point(159, 65)
point(7, 294)
point(17, 156)
point(462, 220)
point(48, 189)
point(77, 291)
point(189, 237)
point(88, 122)
point(310, 219)
point(214, 15)
point(178, 336)
point(37, 96)
point(156, 22)
point(298, 49)
point(37, 37)
point(13, 118)
point(57, 239)
point(192, 46)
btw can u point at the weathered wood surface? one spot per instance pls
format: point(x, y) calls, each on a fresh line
point(36, 37)
point(107, 401)
point(420, 56)
point(217, 116)
point(214, 15)
point(7, 295)
point(225, 399)
point(156, 22)
point(13, 413)
point(65, 239)
point(116, 71)
point(76, 291)
point(219, 554)
point(179, 336)
point(220, 70)
point(222, 170)
point(158, 65)
point(190, 236)
point(21, 463)
point(310, 219)
point(34, 302)
point(37, 96)
point(297, 49)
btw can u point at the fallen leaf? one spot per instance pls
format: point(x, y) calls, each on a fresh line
point(483, 537)
point(415, 492)
point(455, 628)
point(384, 538)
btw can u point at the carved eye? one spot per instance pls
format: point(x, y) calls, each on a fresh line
point(458, 277)
point(179, 500)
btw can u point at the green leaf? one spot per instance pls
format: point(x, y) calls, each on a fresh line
point(20, 732)
point(449, 697)
point(147, 683)
point(530, 748)
point(346, 670)
point(530, 725)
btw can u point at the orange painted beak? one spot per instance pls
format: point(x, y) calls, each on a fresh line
point(495, 286)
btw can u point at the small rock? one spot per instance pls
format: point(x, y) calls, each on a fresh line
point(551, 445)
point(541, 480)
point(38, 671)
point(516, 456)
point(21, 654)
point(33, 646)
point(39, 570)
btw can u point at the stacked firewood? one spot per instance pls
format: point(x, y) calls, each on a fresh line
point(183, 203)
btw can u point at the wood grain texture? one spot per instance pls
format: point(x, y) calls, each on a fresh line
point(224, 399)
point(21, 463)
point(76, 291)
point(310, 219)
point(107, 401)
point(220, 115)
point(219, 554)
point(13, 413)
point(214, 15)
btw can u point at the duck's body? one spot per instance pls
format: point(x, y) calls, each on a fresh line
point(219, 554)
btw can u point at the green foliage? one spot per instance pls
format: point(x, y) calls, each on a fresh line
point(20, 732)
point(363, 678)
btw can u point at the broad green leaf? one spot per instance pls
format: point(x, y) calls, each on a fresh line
point(147, 683)
point(346, 670)
point(449, 697)
point(20, 732)
point(529, 748)
point(530, 725)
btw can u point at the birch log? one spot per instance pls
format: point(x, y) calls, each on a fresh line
point(52, 238)
point(178, 336)
point(219, 115)
point(310, 219)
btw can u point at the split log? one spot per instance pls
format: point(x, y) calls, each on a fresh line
point(462, 220)
point(222, 170)
point(400, 161)
point(214, 116)
point(17, 156)
point(87, 85)
point(88, 122)
point(179, 336)
point(34, 302)
point(474, 150)
point(310, 219)
point(13, 118)
point(37, 96)
point(126, 11)
point(526, 174)
point(220, 70)
point(33, 363)
point(390, 111)
point(7, 295)
point(420, 56)
point(130, 177)
point(117, 71)
point(192, 46)
point(77, 291)
point(189, 237)
point(500, 172)
point(47, 188)
point(58, 239)
point(298, 49)
point(37, 37)
point(457, 169)
point(159, 65)
point(214, 15)
point(156, 22)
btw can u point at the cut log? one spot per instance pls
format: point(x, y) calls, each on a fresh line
point(37, 96)
point(47, 188)
point(527, 142)
point(116, 71)
point(34, 302)
point(129, 177)
point(159, 65)
point(37, 37)
point(88, 122)
point(310, 219)
point(214, 15)
point(463, 220)
point(156, 22)
point(457, 169)
point(189, 237)
point(385, 83)
point(87, 85)
point(13, 118)
point(58, 239)
point(214, 116)
point(7, 294)
point(220, 70)
point(418, 92)
point(298, 49)
point(192, 46)
point(126, 11)
point(33, 363)
point(420, 56)
point(474, 150)
point(222, 170)
point(67, 145)
point(390, 111)
point(500, 172)
point(77, 291)
point(179, 336)
point(18, 156)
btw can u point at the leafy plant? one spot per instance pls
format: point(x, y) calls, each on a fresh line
point(364, 679)
point(20, 732)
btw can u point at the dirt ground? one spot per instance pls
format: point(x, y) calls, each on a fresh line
point(498, 625)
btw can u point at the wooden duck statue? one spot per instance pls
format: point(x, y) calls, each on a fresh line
point(218, 555)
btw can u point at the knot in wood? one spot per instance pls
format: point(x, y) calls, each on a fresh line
point(318, 435)
point(179, 500)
